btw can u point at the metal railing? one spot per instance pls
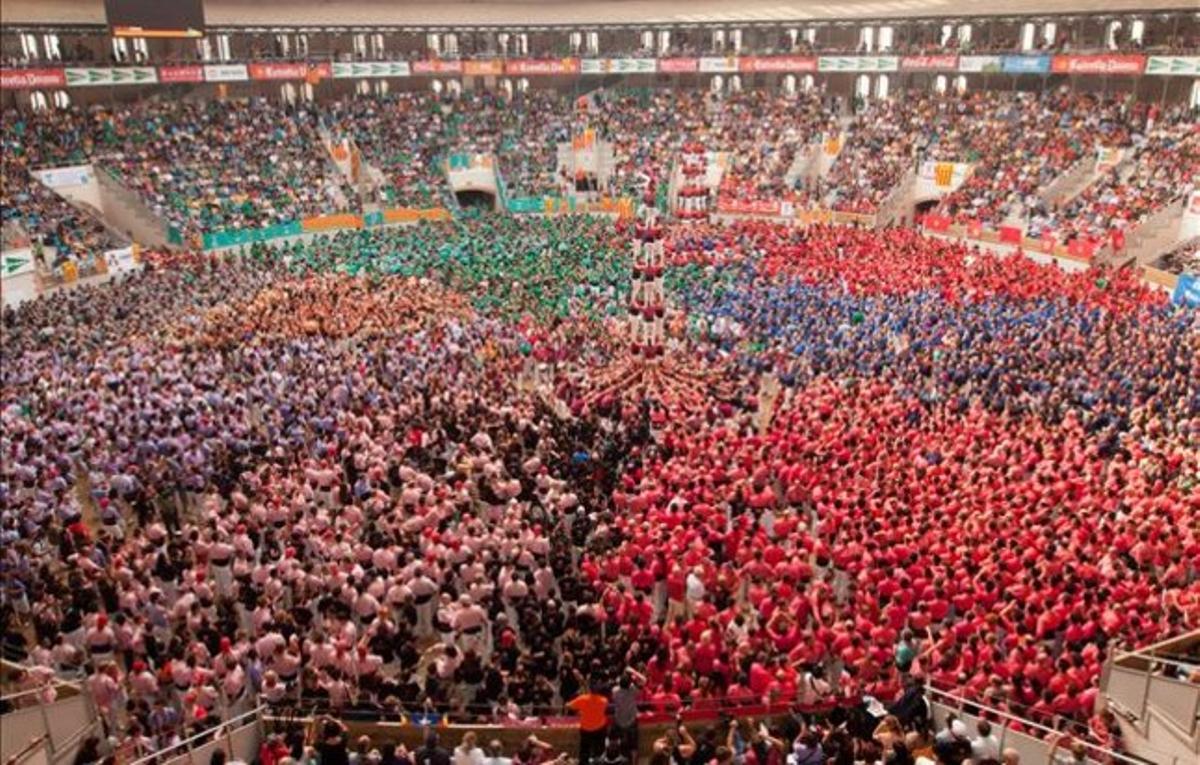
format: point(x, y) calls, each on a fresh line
point(1137, 687)
point(199, 747)
point(1033, 746)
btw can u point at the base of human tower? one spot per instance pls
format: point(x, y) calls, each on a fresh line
point(668, 377)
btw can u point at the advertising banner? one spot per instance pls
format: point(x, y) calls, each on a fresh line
point(858, 63)
point(777, 63)
point(1187, 290)
point(814, 216)
point(172, 74)
point(28, 79)
point(723, 64)
point(16, 262)
point(126, 75)
point(618, 66)
point(537, 67)
point(225, 73)
point(942, 63)
point(977, 64)
point(1174, 66)
point(234, 237)
point(525, 205)
point(769, 207)
point(936, 222)
point(1082, 249)
point(1011, 234)
point(58, 177)
point(370, 69)
point(484, 68)
point(1099, 64)
point(437, 66)
point(1026, 64)
point(120, 260)
point(289, 71)
point(678, 65)
point(332, 222)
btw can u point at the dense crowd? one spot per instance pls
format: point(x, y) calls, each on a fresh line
point(249, 164)
point(1162, 170)
point(369, 472)
point(44, 215)
point(1020, 143)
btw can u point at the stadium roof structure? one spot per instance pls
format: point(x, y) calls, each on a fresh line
point(344, 13)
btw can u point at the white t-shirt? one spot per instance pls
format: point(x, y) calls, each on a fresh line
point(464, 756)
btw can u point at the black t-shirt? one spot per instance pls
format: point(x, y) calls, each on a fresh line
point(333, 751)
point(427, 755)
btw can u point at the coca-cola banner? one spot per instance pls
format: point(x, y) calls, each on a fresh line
point(942, 63)
point(289, 71)
point(678, 65)
point(777, 63)
point(28, 79)
point(1099, 64)
point(534, 67)
point(169, 74)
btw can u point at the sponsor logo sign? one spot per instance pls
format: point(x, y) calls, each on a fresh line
point(291, 71)
point(976, 64)
point(536, 67)
point(725, 64)
point(28, 79)
point(370, 69)
point(777, 63)
point(1174, 66)
point(1026, 64)
point(94, 76)
point(1122, 64)
point(929, 63)
point(170, 74)
point(618, 66)
point(225, 73)
point(490, 67)
point(678, 65)
point(858, 63)
point(437, 66)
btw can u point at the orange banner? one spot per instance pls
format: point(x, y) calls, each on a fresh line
point(486, 67)
point(328, 222)
point(401, 215)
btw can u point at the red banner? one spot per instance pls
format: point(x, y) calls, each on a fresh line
point(974, 229)
point(438, 66)
point(485, 68)
point(748, 207)
point(1010, 235)
point(1099, 64)
point(526, 66)
point(777, 64)
point(1082, 248)
point(26, 79)
point(945, 62)
point(290, 71)
point(678, 64)
point(935, 222)
point(168, 74)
